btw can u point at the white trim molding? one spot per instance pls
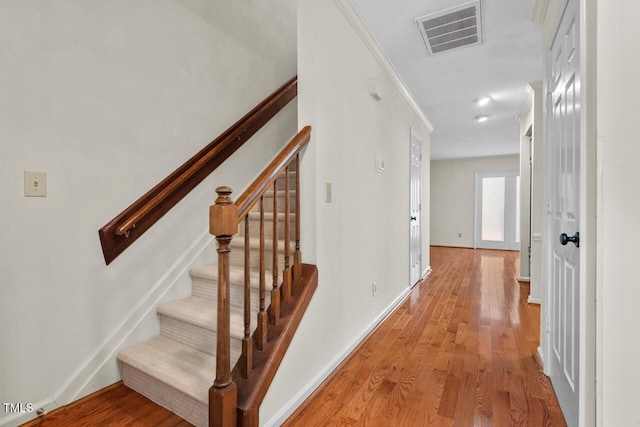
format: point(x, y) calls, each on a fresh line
point(540, 10)
point(532, 300)
point(524, 279)
point(358, 24)
point(541, 356)
point(288, 408)
point(532, 88)
point(426, 272)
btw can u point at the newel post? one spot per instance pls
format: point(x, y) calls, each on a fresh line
point(223, 395)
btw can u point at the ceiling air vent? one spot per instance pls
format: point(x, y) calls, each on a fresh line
point(452, 28)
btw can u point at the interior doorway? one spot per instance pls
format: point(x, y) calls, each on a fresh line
point(415, 241)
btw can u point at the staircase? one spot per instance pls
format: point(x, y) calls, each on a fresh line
point(177, 368)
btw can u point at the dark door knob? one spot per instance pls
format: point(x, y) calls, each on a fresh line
point(413, 218)
point(575, 239)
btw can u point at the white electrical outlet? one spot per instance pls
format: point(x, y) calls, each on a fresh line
point(374, 288)
point(35, 184)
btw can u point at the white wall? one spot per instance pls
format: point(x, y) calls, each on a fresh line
point(618, 91)
point(363, 234)
point(453, 196)
point(108, 98)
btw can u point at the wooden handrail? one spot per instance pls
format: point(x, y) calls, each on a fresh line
point(130, 224)
point(252, 195)
point(224, 218)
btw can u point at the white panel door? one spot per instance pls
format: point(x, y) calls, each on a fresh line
point(564, 162)
point(414, 222)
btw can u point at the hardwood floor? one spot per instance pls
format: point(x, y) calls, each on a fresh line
point(460, 351)
point(116, 405)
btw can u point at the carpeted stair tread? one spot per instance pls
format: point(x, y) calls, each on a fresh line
point(201, 312)
point(179, 366)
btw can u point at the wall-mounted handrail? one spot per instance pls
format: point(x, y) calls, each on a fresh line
point(130, 224)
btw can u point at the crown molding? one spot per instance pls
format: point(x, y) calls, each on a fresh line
point(361, 28)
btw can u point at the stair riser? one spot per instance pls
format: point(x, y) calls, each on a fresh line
point(202, 339)
point(205, 288)
point(254, 228)
point(236, 257)
point(292, 182)
point(183, 405)
point(268, 202)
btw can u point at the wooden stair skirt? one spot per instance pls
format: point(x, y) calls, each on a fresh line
point(239, 314)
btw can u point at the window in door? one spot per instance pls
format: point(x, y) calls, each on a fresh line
point(497, 214)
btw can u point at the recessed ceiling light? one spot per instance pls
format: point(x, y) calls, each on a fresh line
point(483, 101)
point(482, 118)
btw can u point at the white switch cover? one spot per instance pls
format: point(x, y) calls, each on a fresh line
point(328, 195)
point(35, 184)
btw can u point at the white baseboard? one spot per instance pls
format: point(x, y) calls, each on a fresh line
point(426, 272)
point(541, 356)
point(452, 245)
point(106, 352)
point(533, 300)
point(524, 279)
point(302, 395)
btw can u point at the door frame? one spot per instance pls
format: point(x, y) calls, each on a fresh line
point(418, 193)
point(590, 395)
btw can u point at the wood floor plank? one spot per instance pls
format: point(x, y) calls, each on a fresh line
point(465, 355)
point(116, 406)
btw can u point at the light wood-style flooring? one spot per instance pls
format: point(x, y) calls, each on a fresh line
point(116, 405)
point(460, 351)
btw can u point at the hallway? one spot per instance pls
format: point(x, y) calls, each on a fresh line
point(459, 351)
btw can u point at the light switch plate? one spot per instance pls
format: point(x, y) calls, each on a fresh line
point(35, 184)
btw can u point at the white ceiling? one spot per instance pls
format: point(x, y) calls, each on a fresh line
point(446, 85)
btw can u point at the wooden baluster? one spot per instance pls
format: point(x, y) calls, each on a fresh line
point(297, 256)
point(286, 274)
point(246, 364)
point(275, 291)
point(262, 315)
point(223, 395)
